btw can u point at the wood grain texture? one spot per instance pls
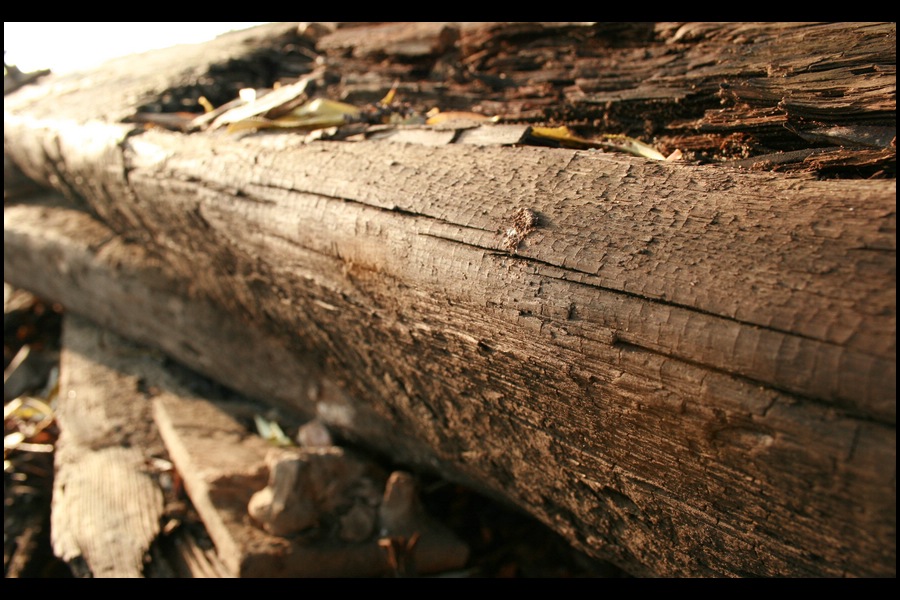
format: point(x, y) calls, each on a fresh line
point(481, 355)
point(121, 286)
point(106, 507)
point(684, 369)
point(666, 257)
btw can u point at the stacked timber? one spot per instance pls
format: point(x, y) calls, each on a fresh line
point(680, 356)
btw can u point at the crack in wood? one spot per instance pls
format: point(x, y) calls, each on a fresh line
point(635, 295)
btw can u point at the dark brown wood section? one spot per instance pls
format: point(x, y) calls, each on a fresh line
point(685, 367)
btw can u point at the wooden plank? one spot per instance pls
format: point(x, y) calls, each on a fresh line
point(224, 467)
point(73, 256)
point(106, 507)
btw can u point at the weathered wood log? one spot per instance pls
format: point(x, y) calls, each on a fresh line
point(685, 369)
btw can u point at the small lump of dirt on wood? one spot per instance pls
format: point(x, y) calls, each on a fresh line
point(524, 222)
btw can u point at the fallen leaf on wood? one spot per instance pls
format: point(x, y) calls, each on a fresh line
point(631, 145)
point(562, 136)
point(621, 143)
point(271, 432)
point(272, 105)
point(435, 117)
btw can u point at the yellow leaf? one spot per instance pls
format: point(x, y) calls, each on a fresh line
point(627, 144)
point(304, 124)
point(271, 431)
point(436, 117)
point(322, 107)
point(389, 97)
point(562, 136)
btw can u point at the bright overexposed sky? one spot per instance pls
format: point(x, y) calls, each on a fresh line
point(65, 47)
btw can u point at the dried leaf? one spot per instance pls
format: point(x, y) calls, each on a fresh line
point(435, 117)
point(271, 432)
point(389, 97)
point(562, 136)
point(272, 105)
point(621, 143)
point(627, 144)
point(206, 104)
point(27, 408)
point(29, 415)
point(320, 113)
point(323, 107)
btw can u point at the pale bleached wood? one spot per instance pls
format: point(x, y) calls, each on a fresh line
point(106, 506)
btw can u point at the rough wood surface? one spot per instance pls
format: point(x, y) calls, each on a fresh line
point(720, 420)
point(65, 253)
point(106, 505)
point(685, 369)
